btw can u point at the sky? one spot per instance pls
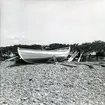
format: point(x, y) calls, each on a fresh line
point(52, 21)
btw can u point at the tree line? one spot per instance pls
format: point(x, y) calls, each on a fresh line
point(96, 46)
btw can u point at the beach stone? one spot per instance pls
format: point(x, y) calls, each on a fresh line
point(52, 84)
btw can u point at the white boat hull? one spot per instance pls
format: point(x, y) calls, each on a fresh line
point(31, 56)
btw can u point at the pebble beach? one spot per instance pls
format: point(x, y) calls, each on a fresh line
point(63, 83)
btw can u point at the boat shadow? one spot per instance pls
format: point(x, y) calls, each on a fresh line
point(20, 62)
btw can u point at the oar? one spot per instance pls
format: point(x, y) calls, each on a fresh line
point(11, 58)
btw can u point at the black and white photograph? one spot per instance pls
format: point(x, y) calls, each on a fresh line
point(52, 52)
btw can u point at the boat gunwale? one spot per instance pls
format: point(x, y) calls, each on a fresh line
point(59, 50)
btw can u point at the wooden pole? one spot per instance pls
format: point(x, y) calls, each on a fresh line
point(80, 57)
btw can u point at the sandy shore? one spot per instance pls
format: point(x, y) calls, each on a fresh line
point(49, 84)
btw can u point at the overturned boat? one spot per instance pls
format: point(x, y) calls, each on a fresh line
point(32, 56)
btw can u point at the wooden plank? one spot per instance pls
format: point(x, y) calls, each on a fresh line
point(80, 57)
point(73, 56)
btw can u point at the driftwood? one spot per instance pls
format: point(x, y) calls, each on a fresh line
point(69, 65)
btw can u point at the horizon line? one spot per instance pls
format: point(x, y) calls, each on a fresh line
point(52, 43)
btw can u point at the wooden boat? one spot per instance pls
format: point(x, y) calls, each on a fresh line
point(32, 56)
